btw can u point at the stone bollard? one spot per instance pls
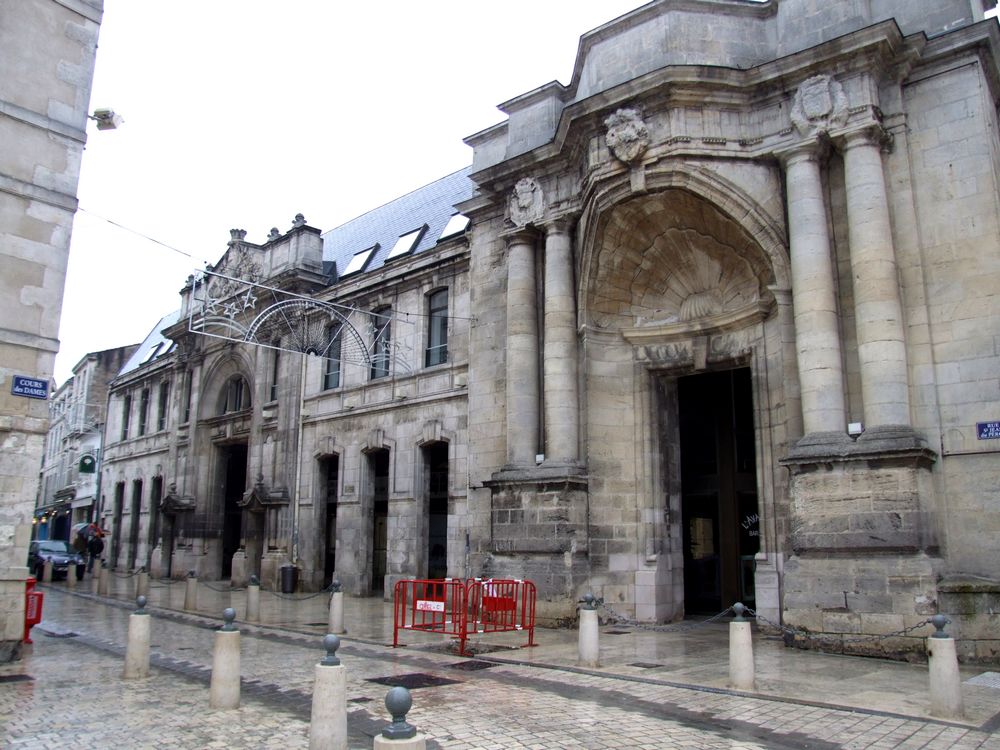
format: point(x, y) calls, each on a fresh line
point(253, 600)
point(191, 592)
point(399, 735)
point(224, 687)
point(142, 583)
point(328, 722)
point(137, 648)
point(945, 681)
point(95, 580)
point(741, 672)
point(104, 579)
point(589, 636)
point(47, 571)
point(336, 608)
point(71, 576)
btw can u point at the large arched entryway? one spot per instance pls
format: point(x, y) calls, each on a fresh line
point(678, 311)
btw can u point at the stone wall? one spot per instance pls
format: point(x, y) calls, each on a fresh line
point(48, 49)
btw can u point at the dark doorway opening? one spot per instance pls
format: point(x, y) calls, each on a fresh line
point(116, 523)
point(378, 462)
point(234, 458)
point(329, 476)
point(133, 534)
point(718, 490)
point(155, 496)
point(436, 465)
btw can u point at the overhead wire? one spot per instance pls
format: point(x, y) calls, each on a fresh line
point(254, 284)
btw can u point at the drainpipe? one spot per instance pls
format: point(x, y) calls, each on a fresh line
point(298, 461)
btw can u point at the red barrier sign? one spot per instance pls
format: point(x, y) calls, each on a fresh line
point(452, 607)
point(33, 601)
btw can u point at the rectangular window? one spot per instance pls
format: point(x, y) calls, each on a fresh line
point(143, 410)
point(381, 342)
point(188, 383)
point(126, 415)
point(275, 368)
point(161, 410)
point(437, 331)
point(331, 372)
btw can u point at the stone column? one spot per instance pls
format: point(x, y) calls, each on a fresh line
point(877, 306)
point(522, 351)
point(817, 333)
point(559, 358)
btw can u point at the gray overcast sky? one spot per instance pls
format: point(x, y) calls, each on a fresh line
point(242, 113)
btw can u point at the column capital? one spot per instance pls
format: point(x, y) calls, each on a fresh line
point(812, 149)
point(520, 236)
point(871, 134)
point(561, 224)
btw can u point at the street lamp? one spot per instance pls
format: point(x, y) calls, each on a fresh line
point(107, 119)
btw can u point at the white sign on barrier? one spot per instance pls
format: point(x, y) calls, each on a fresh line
point(425, 605)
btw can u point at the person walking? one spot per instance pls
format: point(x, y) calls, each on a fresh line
point(95, 546)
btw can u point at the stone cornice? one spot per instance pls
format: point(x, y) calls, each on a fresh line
point(727, 321)
point(879, 47)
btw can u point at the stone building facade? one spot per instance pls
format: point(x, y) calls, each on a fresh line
point(68, 486)
point(47, 52)
point(723, 326)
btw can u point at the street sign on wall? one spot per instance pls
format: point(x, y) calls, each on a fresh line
point(29, 387)
point(988, 430)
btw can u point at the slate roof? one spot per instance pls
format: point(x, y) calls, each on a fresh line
point(433, 205)
point(153, 339)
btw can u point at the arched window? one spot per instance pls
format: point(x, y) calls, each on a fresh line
point(437, 330)
point(235, 395)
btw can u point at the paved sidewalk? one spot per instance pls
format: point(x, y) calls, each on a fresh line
point(653, 689)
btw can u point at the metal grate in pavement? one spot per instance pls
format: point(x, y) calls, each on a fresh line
point(617, 632)
point(16, 678)
point(471, 666)
point(986, 679)
point(645, 665)
point(413, 681)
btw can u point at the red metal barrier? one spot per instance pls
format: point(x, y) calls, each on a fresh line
point(433, 606)
point(33, 601)
point(501, 605)
point(456, 608)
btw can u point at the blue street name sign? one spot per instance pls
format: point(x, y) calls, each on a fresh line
point(988, 430)
point(29, 387)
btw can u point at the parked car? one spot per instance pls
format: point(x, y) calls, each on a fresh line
point(56, 550)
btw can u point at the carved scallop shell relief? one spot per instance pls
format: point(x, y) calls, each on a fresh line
point(705, 279)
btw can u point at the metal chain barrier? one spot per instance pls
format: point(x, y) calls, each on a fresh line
point(133, 574)
point(837, 639)
point(620, 619)
point(161, 582)
point(299, 598)
point(222, 589)
point(677, 627)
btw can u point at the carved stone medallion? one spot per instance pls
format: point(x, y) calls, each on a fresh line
point(628, 137)
point(527, 204)
point(819, 105)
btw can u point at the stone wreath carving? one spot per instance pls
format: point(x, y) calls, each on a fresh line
point(819, 105)
point(527, 204)
point(628, 136)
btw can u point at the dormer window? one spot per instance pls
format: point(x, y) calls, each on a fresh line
point(405, 244)
point(359, 261)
